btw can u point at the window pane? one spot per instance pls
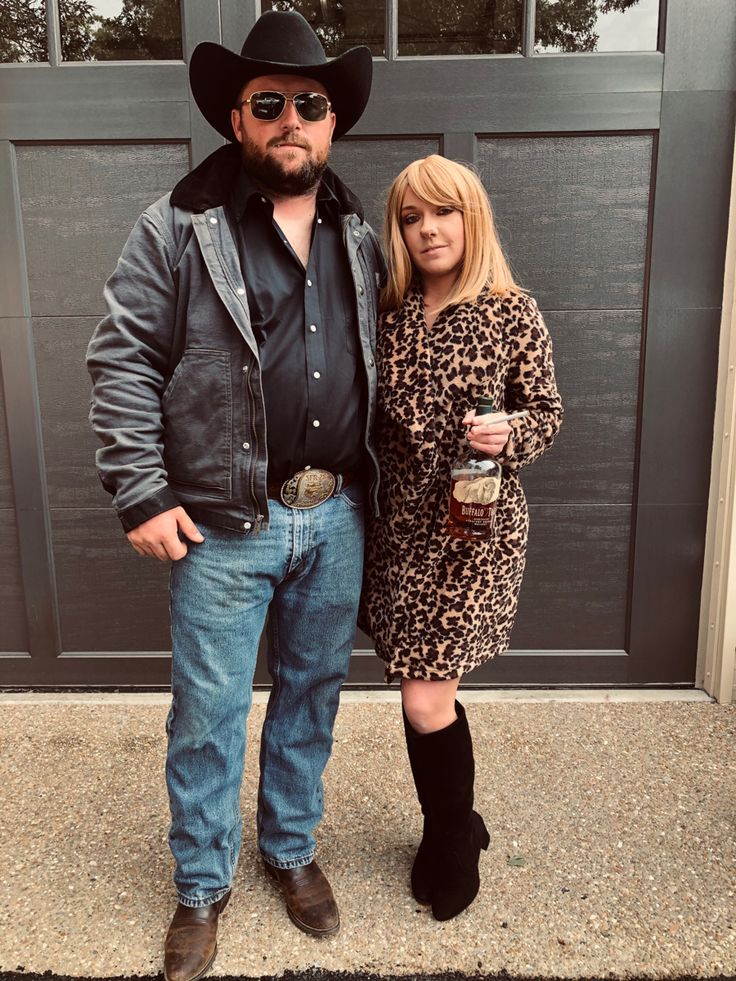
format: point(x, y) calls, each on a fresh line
point(23, 31)
point(120, 30)
point(340, 24)
point(596, 25)
point(460, 27)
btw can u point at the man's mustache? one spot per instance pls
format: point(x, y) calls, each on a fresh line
point(287, 138)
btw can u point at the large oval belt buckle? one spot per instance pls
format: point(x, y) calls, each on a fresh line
point(308, 488)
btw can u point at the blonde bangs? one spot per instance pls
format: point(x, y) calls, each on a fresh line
point(440, 181)
point(434, 182)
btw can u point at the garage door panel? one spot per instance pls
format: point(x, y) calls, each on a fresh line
point(64, 388)
point(575, 582)
point(79, 204)
point(368, 167)
point(572, 215)
point(110, 598)
point(596, 356)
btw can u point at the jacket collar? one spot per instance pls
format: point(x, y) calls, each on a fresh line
point(210, 184)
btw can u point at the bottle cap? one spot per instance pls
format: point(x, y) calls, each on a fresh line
point(484, 406)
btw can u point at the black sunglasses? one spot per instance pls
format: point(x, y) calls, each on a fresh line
point(311, 106)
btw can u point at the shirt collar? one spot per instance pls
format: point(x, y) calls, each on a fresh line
point(245, 189)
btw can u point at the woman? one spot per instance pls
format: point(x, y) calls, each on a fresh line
point(455, 326)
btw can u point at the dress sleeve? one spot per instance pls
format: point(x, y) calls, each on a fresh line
point(530, 385)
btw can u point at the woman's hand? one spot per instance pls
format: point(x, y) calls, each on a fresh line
point(486, 436)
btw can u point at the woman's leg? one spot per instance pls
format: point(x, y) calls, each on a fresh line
point(429, 705)
point(445, 870)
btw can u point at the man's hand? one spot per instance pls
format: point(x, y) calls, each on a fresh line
point(159, 535)
point(486, 436)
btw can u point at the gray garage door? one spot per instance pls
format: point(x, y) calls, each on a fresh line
point(603, 130)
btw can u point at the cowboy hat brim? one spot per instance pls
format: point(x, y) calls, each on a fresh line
point(217, 75)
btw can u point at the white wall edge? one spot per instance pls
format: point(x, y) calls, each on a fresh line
point(717, 637)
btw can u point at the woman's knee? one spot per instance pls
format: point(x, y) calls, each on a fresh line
point(429, 705)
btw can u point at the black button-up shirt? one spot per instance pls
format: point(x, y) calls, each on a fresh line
point(306, 326)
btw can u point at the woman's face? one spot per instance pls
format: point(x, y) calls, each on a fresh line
point(434, 236)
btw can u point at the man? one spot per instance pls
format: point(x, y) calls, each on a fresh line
point(234, 384)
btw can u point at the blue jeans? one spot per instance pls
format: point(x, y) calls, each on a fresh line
point(305, 571)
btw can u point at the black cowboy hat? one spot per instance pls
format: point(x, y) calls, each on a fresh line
point(281, 42)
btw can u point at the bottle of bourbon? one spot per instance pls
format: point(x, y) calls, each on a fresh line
point(474, 489)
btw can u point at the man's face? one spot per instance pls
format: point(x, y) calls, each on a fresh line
point(286, 155)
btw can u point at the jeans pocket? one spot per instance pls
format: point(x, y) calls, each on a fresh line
point(353, 496)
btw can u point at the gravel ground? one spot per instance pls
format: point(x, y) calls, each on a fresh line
point(612, 855)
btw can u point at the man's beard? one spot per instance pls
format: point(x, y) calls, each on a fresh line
point(267, 171)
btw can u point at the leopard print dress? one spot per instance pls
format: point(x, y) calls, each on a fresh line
point(437, 606)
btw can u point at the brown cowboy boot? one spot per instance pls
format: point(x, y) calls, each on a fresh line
point(310, 902)
point(191, 941)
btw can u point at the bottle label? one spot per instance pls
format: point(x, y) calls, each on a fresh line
point(481, 490)
point(473, 502)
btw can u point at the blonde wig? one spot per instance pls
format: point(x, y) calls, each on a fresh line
point(440, 181)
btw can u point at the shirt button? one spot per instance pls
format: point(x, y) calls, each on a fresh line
point(309, 282)
point(371, 363)
point(247, 525)
point(317, 374)
point(245, 367)
point(360, 290)
point(313, 328)
point(319, 221)
point(356, 233)
point(213, 221)
point(315, 423)
point(240, 291)
point(246, 446)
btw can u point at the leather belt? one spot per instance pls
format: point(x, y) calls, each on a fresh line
point(309, 488)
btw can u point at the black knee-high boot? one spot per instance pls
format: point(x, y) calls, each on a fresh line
point(421, 870)
point(447, 862)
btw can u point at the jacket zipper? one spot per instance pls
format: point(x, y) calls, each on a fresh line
point(366, 274)
point(254, 497)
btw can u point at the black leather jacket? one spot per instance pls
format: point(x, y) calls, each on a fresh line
point(177, 399)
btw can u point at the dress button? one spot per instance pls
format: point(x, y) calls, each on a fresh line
point(315, 423)
point(240, 291)
point(245, 367)
point(319, 221)
point(246, 446)
point(317, 374)
point(360, 290)
point(263, 199)
point(213, 221)
point(313, 328)
point(309, 282)
point(247, 525)
point(371, 362)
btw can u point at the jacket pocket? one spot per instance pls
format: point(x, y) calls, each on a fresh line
point(198, 422)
